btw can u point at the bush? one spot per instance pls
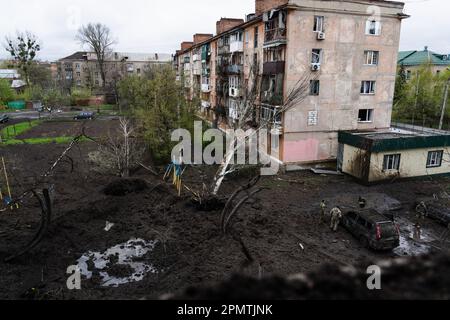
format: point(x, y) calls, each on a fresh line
point(79, 94)
point(6, 93)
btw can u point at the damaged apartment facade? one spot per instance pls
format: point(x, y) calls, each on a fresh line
point(352, 56)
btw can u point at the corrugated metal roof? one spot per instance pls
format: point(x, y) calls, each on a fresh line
point(416, 58)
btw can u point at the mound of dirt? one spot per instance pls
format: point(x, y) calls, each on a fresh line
point(425, 277)
point(122, 187)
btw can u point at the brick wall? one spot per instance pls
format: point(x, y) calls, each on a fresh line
point(200, 37)
point(262, 6)
point(186, 45)
point(225, 24)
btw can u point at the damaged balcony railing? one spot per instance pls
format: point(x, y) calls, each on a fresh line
point(277, 34)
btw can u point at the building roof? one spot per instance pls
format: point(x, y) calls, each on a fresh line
point(417, 58)
point(400, 137)
point(118, 56)
point(9, 74)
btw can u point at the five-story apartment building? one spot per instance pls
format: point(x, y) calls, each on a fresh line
point(350, 46)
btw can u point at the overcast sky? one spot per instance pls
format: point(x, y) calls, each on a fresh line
point(160, 26)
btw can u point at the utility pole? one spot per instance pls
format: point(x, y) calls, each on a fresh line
point(444, 105)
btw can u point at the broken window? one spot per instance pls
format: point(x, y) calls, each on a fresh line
point(314, 89)
point(368, 87)
point(256, 38)
point(371, 57)
point(316, 56)
point(435, 159)
point(365, 115)
point(319, 24)
point(373, 27)
point(391, 162)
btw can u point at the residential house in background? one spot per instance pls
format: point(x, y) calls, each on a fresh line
point(13, 77)
point(81, 68)
point(353, 56)
point(413, 60)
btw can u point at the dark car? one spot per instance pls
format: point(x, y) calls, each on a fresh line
point(84, 116)
point(4, 118)
point(372, 229)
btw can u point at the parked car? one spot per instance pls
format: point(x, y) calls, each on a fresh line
point(4, 118)
point(437, 210)
point(85, 116)
point(372, 229)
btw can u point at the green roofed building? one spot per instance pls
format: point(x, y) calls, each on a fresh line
point(403, 151)
point(412, 60)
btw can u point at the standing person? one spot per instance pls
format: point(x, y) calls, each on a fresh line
point(323, 207)
point(362, 202)
point(421, 210)
point(336, 217)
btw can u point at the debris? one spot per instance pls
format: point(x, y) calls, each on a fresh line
point(108, 226)
point(326, 172)
point(301, 246)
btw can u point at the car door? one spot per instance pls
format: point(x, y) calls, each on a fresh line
point(350, 221)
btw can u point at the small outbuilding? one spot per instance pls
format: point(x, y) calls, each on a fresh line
point(400, 152)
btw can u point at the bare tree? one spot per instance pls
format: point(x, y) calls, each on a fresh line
point(98, 37)
point(246, 114)
point(119, 153)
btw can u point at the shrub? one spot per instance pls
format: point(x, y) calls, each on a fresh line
point(6, 93)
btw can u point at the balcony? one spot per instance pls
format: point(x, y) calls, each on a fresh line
point(206, 88)
point(273, 67)
point(197, 68)
point(223, 50)
point(196, 57)
point(237, 46)
point(187, 67)
point(271, 117)
point(206, 104)
point(275, 37)
point(235, 69)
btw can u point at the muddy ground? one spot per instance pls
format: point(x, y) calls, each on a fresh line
point(189, 246)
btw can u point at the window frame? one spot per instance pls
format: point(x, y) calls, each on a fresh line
point(318, 19)
point(369, 115)
point(377, 30)
point(372, 87)
point(315, 54)
point(438, 159)
point(369, 56)
point(314, 87)
point(396, 161)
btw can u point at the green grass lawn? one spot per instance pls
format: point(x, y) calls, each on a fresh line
point(17, 129)
point(9, 134)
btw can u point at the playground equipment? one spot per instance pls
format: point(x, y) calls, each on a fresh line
point(177, 170)
point(7, 199)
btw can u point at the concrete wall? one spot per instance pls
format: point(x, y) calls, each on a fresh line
point(342, 71)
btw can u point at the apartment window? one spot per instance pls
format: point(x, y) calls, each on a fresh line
point(97, 82)
point(138, 71)
point(77, 66)
point(78, 74)
point(371, 57)
point(435, 159)
point(391, 162)
point(319, 24)
point(368, 87)
point(408, 74)
point(316, 56)
point(247, 37)
point(314, 87)
point(96, 74)
point(365, 115)
point(373, 28)
point(256, 37)
point(78, 82)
